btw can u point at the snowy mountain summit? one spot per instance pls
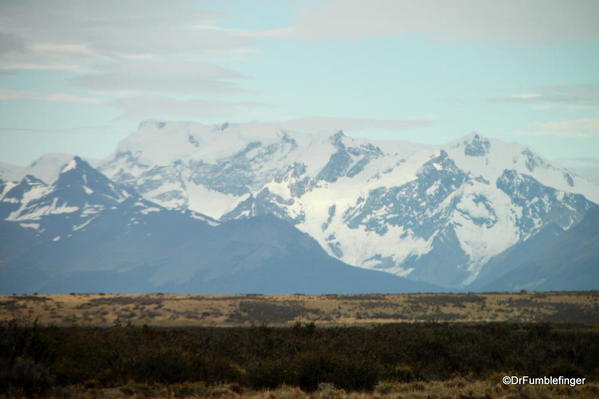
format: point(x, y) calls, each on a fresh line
point(86, 233)
point(78, 196)
point(431, 213)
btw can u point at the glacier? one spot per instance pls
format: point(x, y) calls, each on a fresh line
point(432, 213)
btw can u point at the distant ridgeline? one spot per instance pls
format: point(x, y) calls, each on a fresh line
point(258, 208)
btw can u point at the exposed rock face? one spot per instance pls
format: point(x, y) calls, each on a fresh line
point(430, 213)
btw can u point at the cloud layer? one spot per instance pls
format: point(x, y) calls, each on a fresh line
point(354, 124)
point(177, 59)
point(6, 94)
point(160, 76)
point(151, 107)
point(511, 21)
point(581, 128)
point(556, 95)
point(124, 50)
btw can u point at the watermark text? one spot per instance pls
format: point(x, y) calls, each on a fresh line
point(561, 380)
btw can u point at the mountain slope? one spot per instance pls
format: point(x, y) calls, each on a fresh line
point(552, 260)
point(48, 166)
point(392, 206)
point(268, 255)
point(182, 255)
point(85, 233)
point(517, 256)
point(45, 168)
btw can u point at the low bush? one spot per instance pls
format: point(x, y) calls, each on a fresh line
point(34, 359)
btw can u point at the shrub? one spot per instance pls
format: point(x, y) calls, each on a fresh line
point(565, 368)
point(267, 374)
point(383, 388)
point(403, 373)
point(188, 389)
point(29, 378)
point(496, 378)
point(218, 370)
point(139, 390)
point(165, 366)
point(351, 358)
point(313, 368)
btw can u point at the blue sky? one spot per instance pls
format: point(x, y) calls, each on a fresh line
point(78, 76)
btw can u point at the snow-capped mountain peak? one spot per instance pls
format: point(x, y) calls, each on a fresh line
point(473, 145)
point(12, 194)
point(393, 206)
point(489, 158)
point(385, 205)
point(83, 182)
point(78, 188)
point(48, 166)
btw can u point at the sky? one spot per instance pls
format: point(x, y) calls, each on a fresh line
point(78, 76)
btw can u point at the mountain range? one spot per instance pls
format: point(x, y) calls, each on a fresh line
point(257, 207)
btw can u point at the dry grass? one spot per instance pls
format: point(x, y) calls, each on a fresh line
point(282, 310)
point(457, 388)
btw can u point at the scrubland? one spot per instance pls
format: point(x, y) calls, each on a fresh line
point(441, 346)
point(285, 310)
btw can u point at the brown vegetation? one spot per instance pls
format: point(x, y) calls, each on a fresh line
point(384, 359)
point(441, 346)
point(456, 388)
point(281, 310)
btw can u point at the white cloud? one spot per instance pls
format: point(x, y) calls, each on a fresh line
point(132, 51)
point(68, 49)
point(113, 27)
point(555, 96)
point(580, 128)
point(160, 76)
point(85, 32)
point(520, 21)
point(70, 98)
point(165, 107)
point(580, 160)
point(354, 124)
point(104, 129)
point(7, 94)
point(13, 68)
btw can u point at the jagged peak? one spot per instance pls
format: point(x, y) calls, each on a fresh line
point(151, 123)
point(77, 163)
point(80, 172)
point(474, 135)
point(438, 157)
point(73, 163)
point(32, 180)
point(474, 144)
point(80, 184)
point(337, 139)
point(222, 127)
point(170, 126)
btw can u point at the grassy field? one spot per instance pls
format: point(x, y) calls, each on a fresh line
point(457, 388)
point(416, 346)
point(285, 310)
